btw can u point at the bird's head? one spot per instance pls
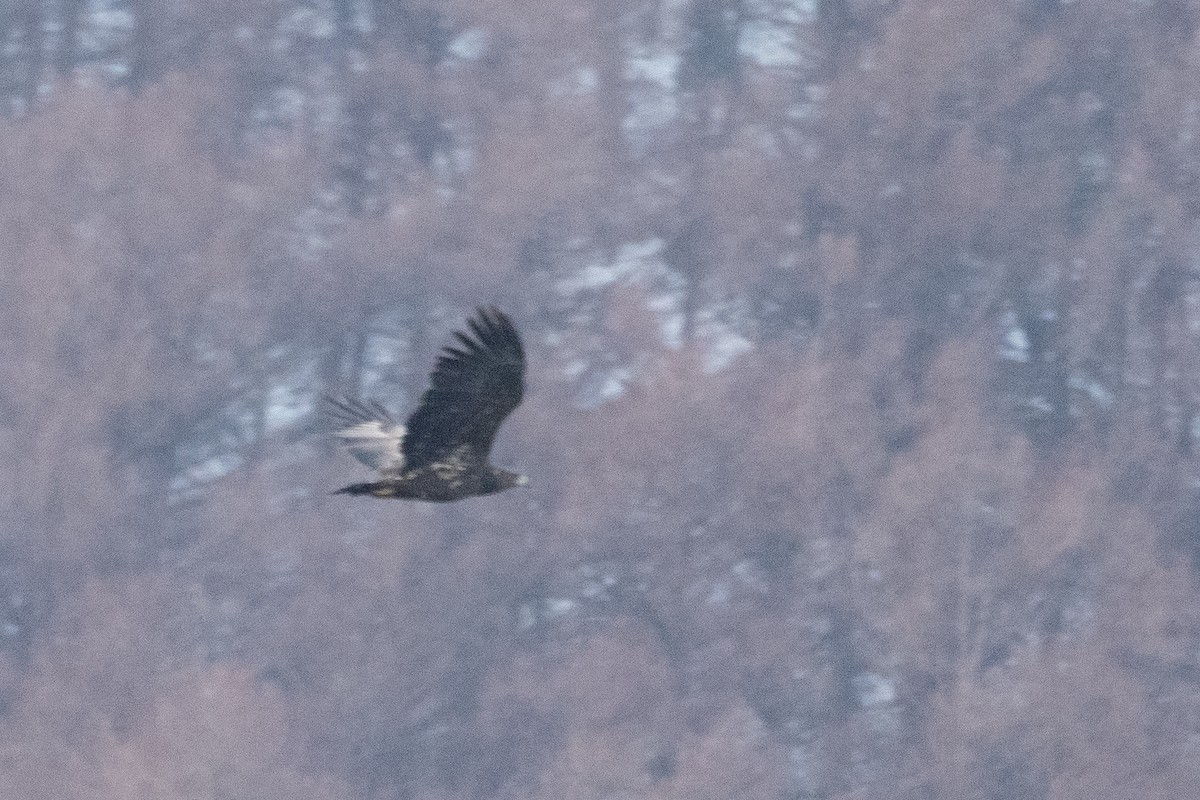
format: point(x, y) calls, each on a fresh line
point(504, 479)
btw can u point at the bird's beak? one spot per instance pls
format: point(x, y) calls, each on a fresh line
point(522, 480)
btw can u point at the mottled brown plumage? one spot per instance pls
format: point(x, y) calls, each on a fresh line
point(443, 452)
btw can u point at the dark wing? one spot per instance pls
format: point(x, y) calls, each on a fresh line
point(474, 386)
point(367, 432)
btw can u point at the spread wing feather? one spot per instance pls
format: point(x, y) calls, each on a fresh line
point(474, 386)
point(368, 432)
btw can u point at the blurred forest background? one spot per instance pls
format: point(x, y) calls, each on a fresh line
point(861, 424)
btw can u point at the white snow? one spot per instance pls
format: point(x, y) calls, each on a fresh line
point(873, 689)
point(650, 71)
point(578, 82)
point(1015, 344)
point(470, 45)
point(603, 386)
point(289, 399)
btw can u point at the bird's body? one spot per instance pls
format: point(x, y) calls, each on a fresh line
point(442, 453)
point(452, 478)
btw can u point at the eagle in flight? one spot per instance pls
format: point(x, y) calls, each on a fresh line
point(442, 453)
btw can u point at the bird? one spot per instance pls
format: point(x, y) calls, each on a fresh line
point(442, 453)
